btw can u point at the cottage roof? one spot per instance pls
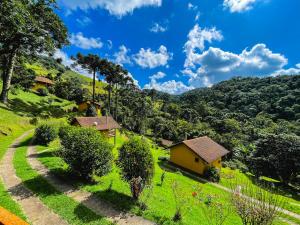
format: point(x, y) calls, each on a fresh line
point(43, 80)
point(101, 123)
point(206, 148)
point(166, 143)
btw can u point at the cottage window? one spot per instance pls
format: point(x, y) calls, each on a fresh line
point(196, 159)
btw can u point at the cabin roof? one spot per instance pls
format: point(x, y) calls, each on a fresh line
point(43, 80)
point(166, 143)
point(101, 123)
point(205, 148)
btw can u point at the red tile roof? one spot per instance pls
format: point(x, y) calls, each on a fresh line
point(101, 123)
point(43, 80)
point(206, 148)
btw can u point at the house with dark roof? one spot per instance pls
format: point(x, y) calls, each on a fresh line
point(105, 124)
point(42, 82)
point(198, 154)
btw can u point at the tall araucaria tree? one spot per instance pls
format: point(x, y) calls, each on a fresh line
point(27, 28)
point(92, 63)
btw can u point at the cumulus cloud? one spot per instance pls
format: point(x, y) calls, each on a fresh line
point(135, 82)
point(238, 5)
point(290, 71)
point(196, 41)
point(80, 41)
point(192, 7)
point(122, 57)
point(171, 86)
point(157, 28)
point(114, 7)
point(216, 63)
point(146, 58)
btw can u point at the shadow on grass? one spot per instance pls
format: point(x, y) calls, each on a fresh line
point(172, 168)
point(275, 187)
point(43, 108)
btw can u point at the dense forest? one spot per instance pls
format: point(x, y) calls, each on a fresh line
point(242, 114)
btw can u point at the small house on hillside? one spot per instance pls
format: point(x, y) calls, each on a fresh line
point(165, 143)
point(197, 154)
point(83, 106)
point(42, 82)
point(105, 124)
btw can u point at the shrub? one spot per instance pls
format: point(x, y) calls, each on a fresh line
point(91, 111)
point(261, 211)
point(42, 91)
point(86, 151)
point(212, 174)
point(44, 134)
point(136, 164)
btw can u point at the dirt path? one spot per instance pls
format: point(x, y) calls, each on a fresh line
point(36, 212)
point(89, 200)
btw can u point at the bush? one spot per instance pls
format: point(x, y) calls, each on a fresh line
point(44, 134)
point(86, 151)
point(212, 174)
point(137, 165)
point(42, 91)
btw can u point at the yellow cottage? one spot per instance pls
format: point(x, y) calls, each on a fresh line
point(42, 82)
point(197, 154)
point(83, 106)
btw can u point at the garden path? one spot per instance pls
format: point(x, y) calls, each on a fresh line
point(88, 199)
point(36, 212)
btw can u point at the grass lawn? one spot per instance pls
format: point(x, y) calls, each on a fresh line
point(161, 204)
point(65, 207)
point(230, 177)
point(14, 121)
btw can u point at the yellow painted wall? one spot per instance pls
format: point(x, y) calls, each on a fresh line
point(183, 156)
point(38, 85)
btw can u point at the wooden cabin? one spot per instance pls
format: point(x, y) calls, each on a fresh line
point(198, 154)
point(42, 82)
point(105, 124)
point(83, 106)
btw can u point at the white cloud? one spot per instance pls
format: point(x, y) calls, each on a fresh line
point(171, 86)
point(84, 42)
point(238, 5)
point(84, 21)
point(290, 71)
point(135, 82)
point(196, 41)
point(109, 44)
point(67, 61)
point(197, 17)
point(216, 63)
point(157, 28)
point(114, 7)
point(151, 59)
point(157, 76)
point(121, 57)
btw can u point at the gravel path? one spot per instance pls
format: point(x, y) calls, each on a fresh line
point(36, 212)
point(86, 198)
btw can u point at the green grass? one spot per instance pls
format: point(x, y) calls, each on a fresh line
point(65, 207)
point(14, 121)
point(161, 205)
point(232, 177)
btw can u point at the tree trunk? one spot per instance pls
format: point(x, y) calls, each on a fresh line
point(94, 84)
point(7, 75)
point(116, 103)
point(109, 98)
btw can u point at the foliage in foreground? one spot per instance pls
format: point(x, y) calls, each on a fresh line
point(137, 165)
point(86, 151)
point(255, 206)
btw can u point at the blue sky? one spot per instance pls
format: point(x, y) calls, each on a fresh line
point(178, 45)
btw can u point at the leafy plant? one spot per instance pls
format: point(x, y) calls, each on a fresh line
point(42, 91)
point(44, 134)
point(212, 174)
point(136, 164)
point(86, 151)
